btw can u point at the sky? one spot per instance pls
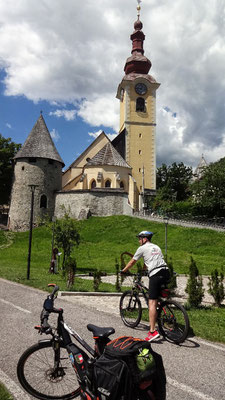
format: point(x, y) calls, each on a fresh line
point(65, 58)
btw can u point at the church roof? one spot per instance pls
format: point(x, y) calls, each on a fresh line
point(108, 155)
point(200, 168)
point(39, 143)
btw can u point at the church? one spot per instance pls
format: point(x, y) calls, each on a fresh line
point(109, 177)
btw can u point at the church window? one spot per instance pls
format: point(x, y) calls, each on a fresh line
point(93, 184)
point(140, 135)
point(140, 104)
point(23, 168)
point(140, 152)
point(43, 201)
point(107, 183)
point(121, 185)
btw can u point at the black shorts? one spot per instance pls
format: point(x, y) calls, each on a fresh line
point(156, 281)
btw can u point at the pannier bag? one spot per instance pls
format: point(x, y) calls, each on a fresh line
point(112, 379)
point(137, 354)
point(126, 365)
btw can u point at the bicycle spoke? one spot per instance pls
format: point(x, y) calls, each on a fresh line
point(173, 321)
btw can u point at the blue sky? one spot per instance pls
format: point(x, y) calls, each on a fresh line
point(71, 137)
point(66, 58)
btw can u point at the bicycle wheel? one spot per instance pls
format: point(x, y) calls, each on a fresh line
point(173, 321)
point(46, 373)
point(130, 308)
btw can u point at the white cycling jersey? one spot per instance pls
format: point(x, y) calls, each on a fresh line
point(152, 256)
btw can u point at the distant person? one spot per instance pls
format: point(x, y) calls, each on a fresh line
point(158, 273)
point(53, 266)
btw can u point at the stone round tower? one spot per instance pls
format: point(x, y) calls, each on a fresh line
point(37, 163)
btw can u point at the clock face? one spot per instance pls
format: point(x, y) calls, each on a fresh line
point(141, 88)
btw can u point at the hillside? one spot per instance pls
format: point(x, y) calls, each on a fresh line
point(103, 239)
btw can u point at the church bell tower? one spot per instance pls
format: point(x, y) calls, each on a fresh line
point(137, 95)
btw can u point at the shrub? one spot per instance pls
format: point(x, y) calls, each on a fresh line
point(216, 288)
point(173, 279)
point(97, 279)
point(194, 287)
point(70, 269)
point(66, 236)
point(119, 277)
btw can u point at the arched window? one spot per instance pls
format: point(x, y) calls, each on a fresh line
point(121, 185)
point(93, 184)
point(140, 104)
point(107, 183)
point(43, 201)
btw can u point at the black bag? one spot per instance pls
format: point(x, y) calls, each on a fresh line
point(129, 349)
point(136, 353)
point(112, 378)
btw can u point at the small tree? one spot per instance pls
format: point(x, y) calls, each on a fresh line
point(119, 277)
point(70, 269)
point(97, 279)
point(66, 236)
point(216, 288)
point(194, 287)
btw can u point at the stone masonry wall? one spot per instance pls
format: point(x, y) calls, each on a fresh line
point(48, 176)
point(100, 202)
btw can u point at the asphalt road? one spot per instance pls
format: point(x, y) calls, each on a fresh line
point(195, 369)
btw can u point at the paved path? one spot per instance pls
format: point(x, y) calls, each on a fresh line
point(195, 369)
point(180, 290)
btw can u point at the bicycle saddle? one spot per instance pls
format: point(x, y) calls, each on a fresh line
point(100, 332)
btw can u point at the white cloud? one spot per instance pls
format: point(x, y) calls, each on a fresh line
point(101, 111)
point(8, 125)
point(73, 56)
point(55, 135)
point(69, 115)
point(111, 136)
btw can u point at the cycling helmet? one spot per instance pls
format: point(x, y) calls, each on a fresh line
point(145, 234)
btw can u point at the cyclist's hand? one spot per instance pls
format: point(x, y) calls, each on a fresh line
point(122, 272)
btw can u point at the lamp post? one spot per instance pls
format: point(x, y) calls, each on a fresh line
point(32, 188)
point(53, 231)
point(166, 219)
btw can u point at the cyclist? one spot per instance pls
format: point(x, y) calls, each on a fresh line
point(158, 273)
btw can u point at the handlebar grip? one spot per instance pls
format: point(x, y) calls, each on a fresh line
point(56, 288)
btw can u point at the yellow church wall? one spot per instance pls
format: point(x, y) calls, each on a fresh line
point(76, 167)
point(108, 173)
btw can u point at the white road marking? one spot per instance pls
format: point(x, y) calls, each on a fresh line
point(188, 389)
point(17, 307)
point(13, 388)
point(214, 345)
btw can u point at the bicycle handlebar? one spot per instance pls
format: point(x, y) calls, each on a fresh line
point(48, 308)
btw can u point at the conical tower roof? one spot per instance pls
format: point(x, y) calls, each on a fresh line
point(39, 144)
point(108, 155)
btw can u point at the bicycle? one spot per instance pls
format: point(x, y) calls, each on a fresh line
point(56, 368)
point(173, 321)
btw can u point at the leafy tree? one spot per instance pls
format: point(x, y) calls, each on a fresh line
point(66, 236)
point(209, 191)
point(216, 288)
point(194, 286)
point(173, 181)
point(8, 150)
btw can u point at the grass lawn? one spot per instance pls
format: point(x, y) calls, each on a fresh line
point(103, 239)
point(4, 394)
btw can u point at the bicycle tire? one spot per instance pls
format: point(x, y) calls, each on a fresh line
point(130, 309)
point(35, 373)
point(173, 321)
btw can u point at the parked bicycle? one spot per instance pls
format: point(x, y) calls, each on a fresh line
point(173, 321)
point(57, 368)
